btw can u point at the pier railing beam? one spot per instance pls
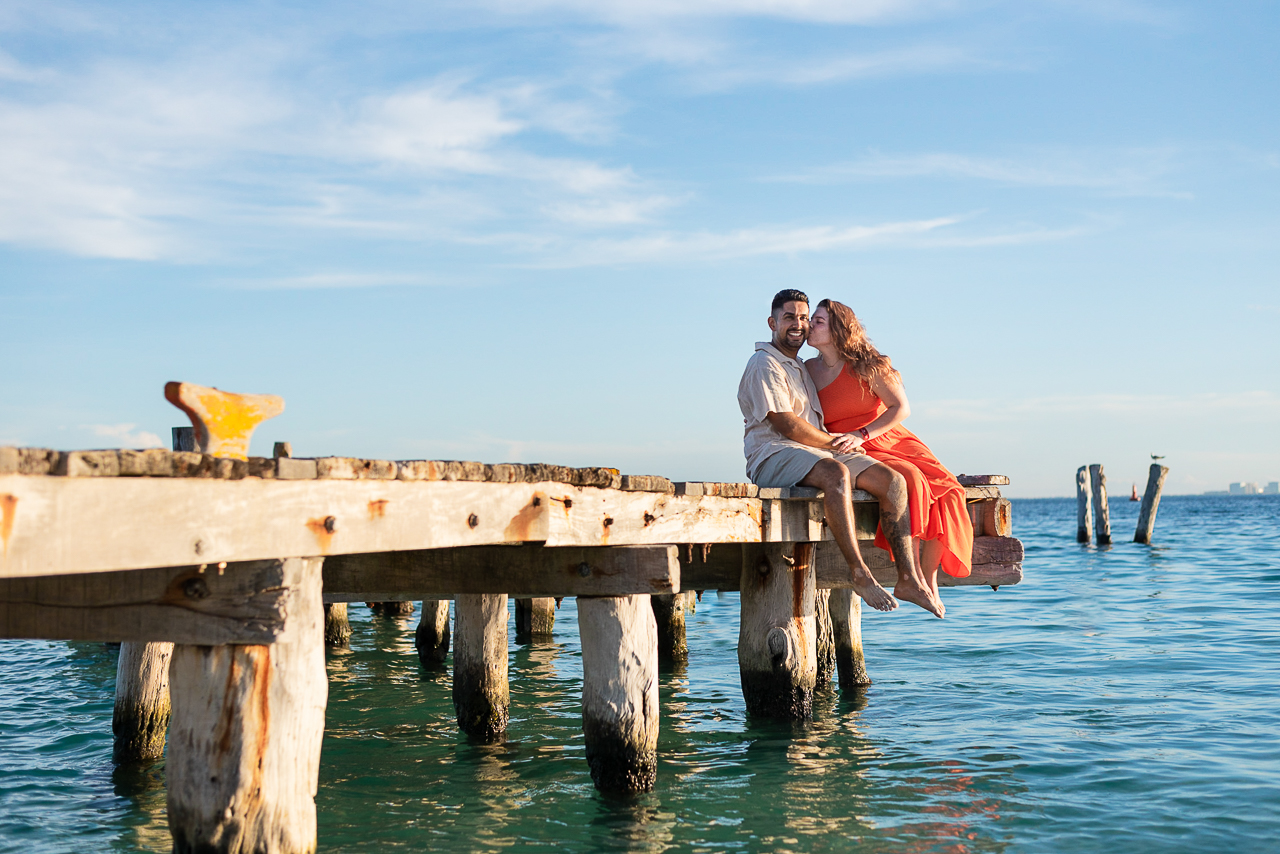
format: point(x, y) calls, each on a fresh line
point(244, 739)
point(620, 691)
point(535, 618)
point(668, 613)
point(1150, 503)
point(846, 626)
point(1101, 515)
point(481, 694)
point(141, 715)
point(432, 636)
point(777, 637)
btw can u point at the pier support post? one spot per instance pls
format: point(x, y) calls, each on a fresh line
point(826, 671)
point(141, 715)
point(244, 740)
point(777, 637)
point(481, 695)
point(1084, 505)
point(1101, 515)
point(432, 637)
point(668, 613)
point(846, 626)
point(620, 691)
point(391, 609)
point(535, 618)
point(1150, 503)
point(337, 629)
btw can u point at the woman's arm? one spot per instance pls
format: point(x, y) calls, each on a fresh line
point(797, 429)
point(894, 397)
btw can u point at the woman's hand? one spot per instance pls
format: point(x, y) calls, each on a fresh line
point(846, 443)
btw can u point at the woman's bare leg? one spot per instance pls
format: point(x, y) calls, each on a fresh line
point(929, 558)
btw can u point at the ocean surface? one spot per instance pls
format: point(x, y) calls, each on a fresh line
point(1121, 699)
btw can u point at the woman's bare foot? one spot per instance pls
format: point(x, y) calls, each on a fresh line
point(910, 590)
point(865, 585)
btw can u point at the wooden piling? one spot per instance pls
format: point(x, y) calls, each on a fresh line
point(1084, 505)
point(392, 609)
point(620, 691)
point(826, 639)
point(1101, 515)
point(337, 628)
point(668, 612)
point(777, 636)
point(481, 695)
point(1150, 503)
point(535, 618)
point(141, 715)
point(244, 740)
point(432, 636)
point(846, 625)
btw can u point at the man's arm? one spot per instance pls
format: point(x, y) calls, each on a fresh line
point(797, 429)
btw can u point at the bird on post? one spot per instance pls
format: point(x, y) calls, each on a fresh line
point(1160, 457)
point(224, 422)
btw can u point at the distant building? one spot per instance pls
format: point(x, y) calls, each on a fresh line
point(1243, 488)
point(1272, 488)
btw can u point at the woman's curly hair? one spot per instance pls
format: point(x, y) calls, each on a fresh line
point(857, 351)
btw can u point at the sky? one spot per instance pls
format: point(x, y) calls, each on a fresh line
point(550, 230)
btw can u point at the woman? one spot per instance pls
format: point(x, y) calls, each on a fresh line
point(861, 394)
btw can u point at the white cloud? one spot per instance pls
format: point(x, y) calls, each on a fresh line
point(126, 435)
point(811, 11)
point(1125, 172)
point(672, 247)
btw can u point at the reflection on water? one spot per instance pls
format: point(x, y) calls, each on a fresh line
point(1115, 702)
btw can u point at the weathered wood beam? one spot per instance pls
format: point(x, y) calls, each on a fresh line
point(140, 717)
point(244, 738)
point(668, 613)
point(996, 561)
point(846, 626)
point(68, 525)
point(337, 626)
point(527, 571)
point(239, 603)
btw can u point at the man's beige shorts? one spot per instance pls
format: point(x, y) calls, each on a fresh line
point(788, 465)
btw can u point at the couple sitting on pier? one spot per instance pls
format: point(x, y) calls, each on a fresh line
point(835, 423)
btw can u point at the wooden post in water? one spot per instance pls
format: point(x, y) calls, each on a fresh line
point(1102, 516)
point(668, 612)
point(826, 639)
point(432, 637)
point(620, 691)
point(481, 695)
point(1150, 503)
point(535, 618)
point(846, 625)
point(244, 741)
point(1084, 505)
point(337, 628)
point(141, 714)
point(777, 635)
point(391, 609)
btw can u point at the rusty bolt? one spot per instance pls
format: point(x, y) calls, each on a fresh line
point(568, 502)
point(584, 569)
point(537, 502)
point(199, 546)
point(473, 520)
point(649, 519)
point(608, 521)
point(195, 588)
point(330, 524)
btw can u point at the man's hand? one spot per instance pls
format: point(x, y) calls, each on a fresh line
point(846, 443)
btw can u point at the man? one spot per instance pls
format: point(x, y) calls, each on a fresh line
point(786, 445)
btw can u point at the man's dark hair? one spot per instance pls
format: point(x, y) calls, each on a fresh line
point(789, 295)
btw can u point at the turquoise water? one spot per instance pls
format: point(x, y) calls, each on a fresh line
point(1121, 699)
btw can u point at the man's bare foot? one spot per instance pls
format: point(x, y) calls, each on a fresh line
point(871, 592)
point(909, 590)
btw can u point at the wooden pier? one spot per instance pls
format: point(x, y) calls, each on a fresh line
point(234, 561)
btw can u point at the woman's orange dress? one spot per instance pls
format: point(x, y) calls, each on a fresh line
point(936, 498)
